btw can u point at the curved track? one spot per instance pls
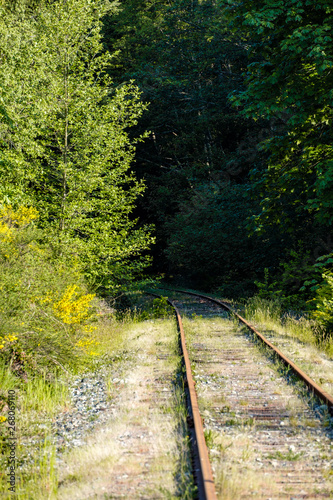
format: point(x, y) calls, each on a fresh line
point(270, 415)
point(326, 398)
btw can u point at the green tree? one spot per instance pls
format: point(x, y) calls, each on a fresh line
point(210, 244)
point(68, 151)
point(289, 81)
point(186, 61)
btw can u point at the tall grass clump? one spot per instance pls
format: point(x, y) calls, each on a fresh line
point(263, 310)
point(308, 327)
point(45, 310)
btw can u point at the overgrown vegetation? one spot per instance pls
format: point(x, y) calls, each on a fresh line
point(67, 194)
point(40, 399)
point(65, 147)
point(46, 312)
point(238, 162)
point(304, 328)
point(67, 229)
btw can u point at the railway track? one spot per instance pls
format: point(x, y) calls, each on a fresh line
point(267, 437)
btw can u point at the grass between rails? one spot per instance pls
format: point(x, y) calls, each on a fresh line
point(234, 455)
point(229, 456)
point(270, 314)
point(302, 339)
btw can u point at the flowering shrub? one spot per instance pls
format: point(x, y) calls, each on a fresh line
point(11, 220)
point(7, 339)
point(71, 308)
point(87, 345)
point(19, 218)
point(46, 314)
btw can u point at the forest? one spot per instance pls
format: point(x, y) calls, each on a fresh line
point(186, 141)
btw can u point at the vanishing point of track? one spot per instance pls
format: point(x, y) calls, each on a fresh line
point(201, 464)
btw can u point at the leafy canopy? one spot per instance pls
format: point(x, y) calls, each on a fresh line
point(65, 146)
point(289, 81)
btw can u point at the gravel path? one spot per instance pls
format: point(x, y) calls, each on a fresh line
point(141, 450)
point(91, 407)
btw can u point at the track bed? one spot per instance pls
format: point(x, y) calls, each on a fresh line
point(267, 437)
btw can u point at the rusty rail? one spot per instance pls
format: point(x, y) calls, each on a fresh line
point(203, 471)
point(324, 396)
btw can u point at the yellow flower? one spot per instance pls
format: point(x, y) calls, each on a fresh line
point(11, 219)
point(72, 309)
point(86, 344)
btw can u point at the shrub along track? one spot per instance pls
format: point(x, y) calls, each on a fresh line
point(268, 437)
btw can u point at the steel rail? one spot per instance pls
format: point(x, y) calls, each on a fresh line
point(204, 475)
point(324, 396)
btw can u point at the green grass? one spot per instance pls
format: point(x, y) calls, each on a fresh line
point(43, 396)
point(301, 328)
point(289, 456)
point(35, 451)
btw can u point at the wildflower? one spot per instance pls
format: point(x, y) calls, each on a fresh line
point(72, 309)
point(11, 219)
point(86, 345)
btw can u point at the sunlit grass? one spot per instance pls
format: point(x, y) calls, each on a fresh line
point(38, 399)
point(165, 419)
point(7, 379)
point(299, 338)
point(43, 396)
point(36, 402)
point(269, 313)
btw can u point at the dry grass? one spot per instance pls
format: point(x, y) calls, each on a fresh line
point(296, 339)
point(235, 451)
point(143, 448)
point(38, 401)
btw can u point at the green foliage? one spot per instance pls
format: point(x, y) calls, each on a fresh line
point(135, 307)
point(294, 283)
point(288, 81)
point(186, 62)
point(209, 241)
point(161, 308)
point(67, 149)
point(46, 314)
point(323, 302)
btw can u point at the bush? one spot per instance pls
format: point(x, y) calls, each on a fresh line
point(324, 303)
point(46, 313)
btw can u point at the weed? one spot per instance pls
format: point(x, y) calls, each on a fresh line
point(299, 328)
point(243, 403)
point(247, 452)
point(209, 438)
point(290, 456)
point(43, 396)
point(231, 422)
